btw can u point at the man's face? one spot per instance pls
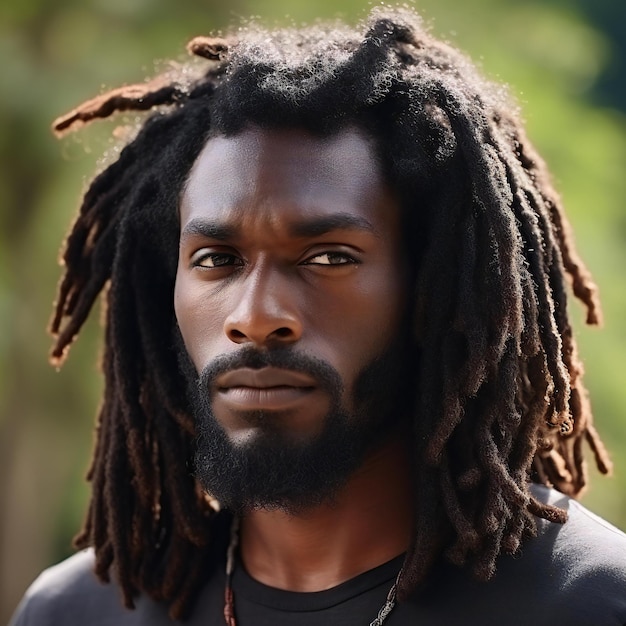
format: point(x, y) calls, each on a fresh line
point(291, 302)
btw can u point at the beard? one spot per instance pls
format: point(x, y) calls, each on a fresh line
point(274, 470)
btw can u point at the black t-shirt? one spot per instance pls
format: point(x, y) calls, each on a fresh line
point(570, 575)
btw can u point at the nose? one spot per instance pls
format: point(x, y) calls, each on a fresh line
point(266, 312)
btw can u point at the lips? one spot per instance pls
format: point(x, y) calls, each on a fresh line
point(264, 378)
point(268, 388)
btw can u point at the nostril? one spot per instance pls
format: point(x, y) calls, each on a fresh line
point(283, 332)
point(236, 335)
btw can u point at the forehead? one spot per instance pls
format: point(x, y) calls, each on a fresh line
point(261, 171)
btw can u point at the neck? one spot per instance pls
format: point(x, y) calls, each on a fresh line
point(367, 524)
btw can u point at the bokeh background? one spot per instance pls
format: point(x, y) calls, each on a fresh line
point(565, 62)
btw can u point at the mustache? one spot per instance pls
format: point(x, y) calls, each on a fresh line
point(324, 374)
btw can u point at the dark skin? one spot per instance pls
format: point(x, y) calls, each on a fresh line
point(290, 240)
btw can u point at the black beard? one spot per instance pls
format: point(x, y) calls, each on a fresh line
point(275, 471)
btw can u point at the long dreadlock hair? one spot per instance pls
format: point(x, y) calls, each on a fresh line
point(499, 397)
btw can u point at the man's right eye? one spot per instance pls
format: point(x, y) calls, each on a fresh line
point(211, 260)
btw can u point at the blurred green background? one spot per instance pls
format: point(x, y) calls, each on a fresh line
point(565, 61)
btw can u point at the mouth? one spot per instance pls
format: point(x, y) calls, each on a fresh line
point(268, 388)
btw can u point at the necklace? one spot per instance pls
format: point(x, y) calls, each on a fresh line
point(229, 599)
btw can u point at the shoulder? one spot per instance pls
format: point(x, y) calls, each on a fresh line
point(586, 541)
point(580, 565)
point(572, 573)
point(69, 593)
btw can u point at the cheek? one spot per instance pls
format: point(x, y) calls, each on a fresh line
point(360, 323)
point(381, 301)
point(199, 325)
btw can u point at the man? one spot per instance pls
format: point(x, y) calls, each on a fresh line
point(336, 276)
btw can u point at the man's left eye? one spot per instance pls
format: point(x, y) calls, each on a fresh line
point(330, 258)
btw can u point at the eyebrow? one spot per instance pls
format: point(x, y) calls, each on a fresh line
point(321, 225)
point(308, 227)
point(210, 230)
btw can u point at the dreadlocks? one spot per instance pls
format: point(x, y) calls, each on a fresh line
point(499, 396)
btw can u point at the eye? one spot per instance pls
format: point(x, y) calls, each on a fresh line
point(331, 258)
point(211, 260)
